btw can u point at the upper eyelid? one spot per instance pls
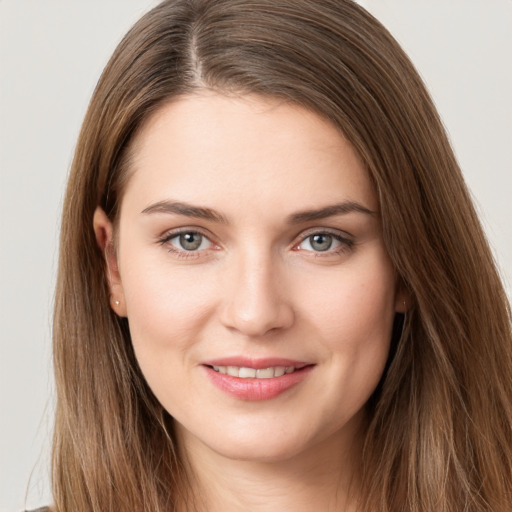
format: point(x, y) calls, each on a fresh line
point(172, 233)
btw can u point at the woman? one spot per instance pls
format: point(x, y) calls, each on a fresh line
point(273, 289)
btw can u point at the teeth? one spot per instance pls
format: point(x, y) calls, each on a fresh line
point(247, 373)
point(252, 373)
point(279, 371)
point(233, 371)
point(265, 373)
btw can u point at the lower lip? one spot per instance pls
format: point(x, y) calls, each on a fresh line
point(256, 389)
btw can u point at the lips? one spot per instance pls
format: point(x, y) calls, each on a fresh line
point(256, 379)
point(247, 373)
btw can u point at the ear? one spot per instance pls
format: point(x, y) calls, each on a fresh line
point(104, 232)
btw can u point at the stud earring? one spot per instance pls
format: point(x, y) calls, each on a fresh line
point(116, 302)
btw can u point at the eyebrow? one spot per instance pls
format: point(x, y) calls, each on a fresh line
point(188, 210)
point(329, 211)
point(198, 212)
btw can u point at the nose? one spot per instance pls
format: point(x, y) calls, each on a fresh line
point(255, 301)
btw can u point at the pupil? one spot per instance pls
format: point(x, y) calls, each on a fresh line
point(190, 241)
point(321, 242)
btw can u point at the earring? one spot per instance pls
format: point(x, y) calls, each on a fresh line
point(116, 302)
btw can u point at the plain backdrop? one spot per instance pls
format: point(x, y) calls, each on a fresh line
point(51, 55)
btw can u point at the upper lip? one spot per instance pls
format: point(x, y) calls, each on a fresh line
point(256, 363)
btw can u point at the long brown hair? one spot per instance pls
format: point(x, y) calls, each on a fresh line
point(439, 437)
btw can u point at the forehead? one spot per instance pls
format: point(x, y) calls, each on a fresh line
point(212, 148)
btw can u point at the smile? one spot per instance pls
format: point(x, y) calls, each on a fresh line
point(253, 373)
point(256, 380)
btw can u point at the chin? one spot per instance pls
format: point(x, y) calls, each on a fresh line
point(272, 444)
point(278, 450)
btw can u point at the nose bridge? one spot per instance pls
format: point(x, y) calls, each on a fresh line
point(256, 302)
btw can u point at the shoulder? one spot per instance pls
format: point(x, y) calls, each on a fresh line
point(40, 509)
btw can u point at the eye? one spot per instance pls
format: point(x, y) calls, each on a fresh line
point(186, 242)
point(324, 242)
point(321, 242)
point(189, 241)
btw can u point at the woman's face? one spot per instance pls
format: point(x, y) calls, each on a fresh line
point(251, 267)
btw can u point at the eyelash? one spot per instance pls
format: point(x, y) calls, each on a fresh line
point(346, 244)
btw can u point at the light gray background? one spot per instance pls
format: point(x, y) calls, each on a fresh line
point(51, 54)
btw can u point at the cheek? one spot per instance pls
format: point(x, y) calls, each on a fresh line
point(166, 305)
point(355, 303)
point(352, 315)
point(167, 312)
point(353, 322)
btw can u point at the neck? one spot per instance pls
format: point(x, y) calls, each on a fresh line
point(321, 478)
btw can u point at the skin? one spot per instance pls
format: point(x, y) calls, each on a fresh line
point(256, 286)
